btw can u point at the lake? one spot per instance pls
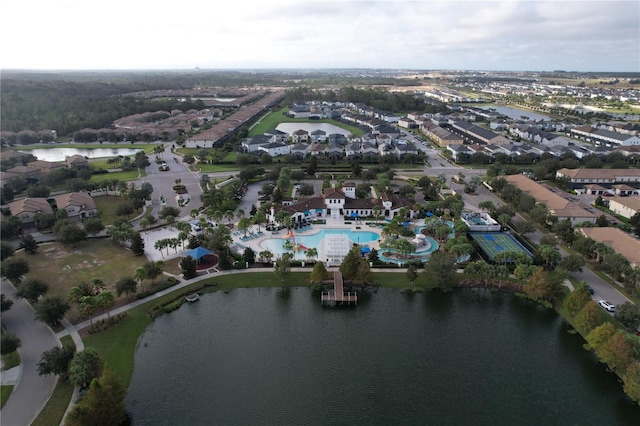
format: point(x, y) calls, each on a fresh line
point(310, 127)
point(59, 154)
point(272, 356)
point(516, 113)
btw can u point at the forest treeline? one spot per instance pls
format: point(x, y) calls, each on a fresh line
point(377, 97)
point(71, 101)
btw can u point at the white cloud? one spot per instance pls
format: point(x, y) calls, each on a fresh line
point(136, 34)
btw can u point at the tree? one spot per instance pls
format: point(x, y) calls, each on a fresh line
point(153, 270)
point(589, 317)
point(51, 309)
point(31, 289)
point(283, 267)
point(265, 256)
point(105, 300)
point(412, 274)
point(5, 304)
point(69, 234)
point(440, 271)
point(542, 285)
point(84, 367)
point(88, 306)
point(549, 257)
point(319, 273)
point(631, 380)
point(577, 299)
point(8, 342)
point(56, 361)
point(7, 250)
point(188, 267)
point(616, 352)
point(311, 253)
point(628, 315)
point(350, 263)
point(572, 263)
point(93, 226)
point(137, 244)
point(249, 256)
point(29, 244)
point(14, 268)
point(126, 285)
point(103, 404)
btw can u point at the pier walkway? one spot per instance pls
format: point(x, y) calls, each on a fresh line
point(337, 296)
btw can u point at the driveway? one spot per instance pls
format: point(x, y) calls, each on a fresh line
point(32, 391)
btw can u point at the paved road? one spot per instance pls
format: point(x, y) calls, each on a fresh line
point(32, 390)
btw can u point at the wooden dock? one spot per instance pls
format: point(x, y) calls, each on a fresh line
point(338, 296)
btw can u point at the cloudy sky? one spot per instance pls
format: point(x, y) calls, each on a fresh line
point(480, 35)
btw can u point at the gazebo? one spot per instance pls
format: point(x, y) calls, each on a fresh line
point(198, 253)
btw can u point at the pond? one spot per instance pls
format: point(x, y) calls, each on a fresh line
point(277, 357)
point(59, 154)
point(516, 113)
point(310, 127)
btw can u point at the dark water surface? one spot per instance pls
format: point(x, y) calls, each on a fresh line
point(264, 356)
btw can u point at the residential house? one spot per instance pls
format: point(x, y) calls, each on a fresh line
point(300, 136)
point(76, 161)
point(275, 149)
point(625, 206)
point(26, 209)
point(300, 150)
point(618, 240)
point(77, 204)
point(255, 143)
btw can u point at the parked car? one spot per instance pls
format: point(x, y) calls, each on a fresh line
point(610, 307)
point(590, 290)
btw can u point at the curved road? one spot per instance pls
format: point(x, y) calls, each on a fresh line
point(32, 391)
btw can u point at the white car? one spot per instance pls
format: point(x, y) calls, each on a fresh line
point(607, 306)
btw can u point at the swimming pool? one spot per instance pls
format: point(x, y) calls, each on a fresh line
point(276, 244)
point(421, 255)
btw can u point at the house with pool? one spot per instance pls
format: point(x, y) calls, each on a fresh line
point(341, 203)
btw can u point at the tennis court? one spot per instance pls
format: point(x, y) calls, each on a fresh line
point(493, 243)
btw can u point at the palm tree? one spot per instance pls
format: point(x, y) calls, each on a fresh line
point(88, 306)
point(311, 253)
point(228, 215)
point(159, 245)
point(377, 210)
point(105, 300)
point(140, 275)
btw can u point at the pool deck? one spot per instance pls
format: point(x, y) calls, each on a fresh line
point(256, 243)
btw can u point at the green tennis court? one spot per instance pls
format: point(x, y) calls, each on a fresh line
point(493, 243)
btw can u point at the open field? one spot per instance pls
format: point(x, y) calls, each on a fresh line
point(128, 175)
point(272, 120)
point(63, 268)
point(107, 205)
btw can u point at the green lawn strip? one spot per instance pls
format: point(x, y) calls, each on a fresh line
point(10, 360)
point(5, 393)
point(212, 168)
point(128, 175)
point(56, 406)
point(53, 412)
point(107, 206)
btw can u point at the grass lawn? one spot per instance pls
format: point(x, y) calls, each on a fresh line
point(10, 360)
point(128, 175)
point(5, 393)
point(272, 120)
point(211, 168)
point(62, 267)
point(107, 205)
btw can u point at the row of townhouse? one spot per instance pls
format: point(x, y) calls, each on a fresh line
point(603, 136)
point(77, 204)
point(314, 110)
point(440, 135)
point(359, 150)
point(621, 242)
point(479, 134)
point(371, 112)
point(608, 182)
point(557, 205)
point(537, 135)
